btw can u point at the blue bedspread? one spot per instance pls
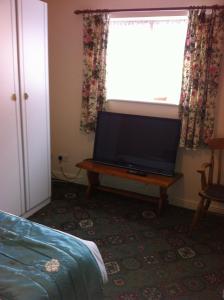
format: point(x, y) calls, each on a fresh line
point(38, 263)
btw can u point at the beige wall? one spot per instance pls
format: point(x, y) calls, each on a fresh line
point(65, 50)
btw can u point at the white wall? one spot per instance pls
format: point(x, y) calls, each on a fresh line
point(65, 49)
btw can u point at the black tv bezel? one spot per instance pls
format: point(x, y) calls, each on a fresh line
point(134, 168)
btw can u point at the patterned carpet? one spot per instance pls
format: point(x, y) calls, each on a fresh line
point(146, 257)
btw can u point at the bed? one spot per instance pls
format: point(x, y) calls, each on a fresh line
point(38, 263)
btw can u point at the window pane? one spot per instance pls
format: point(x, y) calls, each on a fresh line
point(144, 59)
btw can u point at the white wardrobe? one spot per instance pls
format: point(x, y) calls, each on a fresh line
point(24, 107)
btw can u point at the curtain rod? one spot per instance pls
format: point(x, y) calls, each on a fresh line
point(90, 11)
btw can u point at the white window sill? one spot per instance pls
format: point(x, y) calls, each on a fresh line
point(156, 102)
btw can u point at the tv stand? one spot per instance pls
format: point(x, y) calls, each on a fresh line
point(163, 182)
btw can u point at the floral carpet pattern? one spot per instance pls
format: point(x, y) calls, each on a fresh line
point(147, 257)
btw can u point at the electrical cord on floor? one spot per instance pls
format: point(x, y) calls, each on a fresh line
point(57, 179)
point(66, 177)
point(69, 177)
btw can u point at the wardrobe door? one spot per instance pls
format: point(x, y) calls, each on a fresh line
point(32, 24)
point(11, 170)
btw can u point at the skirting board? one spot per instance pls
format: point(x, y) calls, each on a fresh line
point(189, 204)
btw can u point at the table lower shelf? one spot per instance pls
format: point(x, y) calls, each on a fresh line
point(126, 193)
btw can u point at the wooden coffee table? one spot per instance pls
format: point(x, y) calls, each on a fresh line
point(163, 182)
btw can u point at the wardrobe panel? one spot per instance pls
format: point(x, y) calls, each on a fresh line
point(11, 167)
point(32, 16)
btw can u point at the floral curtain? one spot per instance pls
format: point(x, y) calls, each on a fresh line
point(202, 59)
point(95, 32)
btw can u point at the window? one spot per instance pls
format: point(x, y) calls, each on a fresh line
point(145, 58)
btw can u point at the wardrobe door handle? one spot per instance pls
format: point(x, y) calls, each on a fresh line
point(13, 97)
point(26, 96)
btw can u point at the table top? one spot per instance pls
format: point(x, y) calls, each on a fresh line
point(154, 179)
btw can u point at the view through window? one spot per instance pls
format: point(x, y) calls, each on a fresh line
point(145, 58)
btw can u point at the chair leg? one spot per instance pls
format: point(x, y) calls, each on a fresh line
point(197, 214)
point(206, 206)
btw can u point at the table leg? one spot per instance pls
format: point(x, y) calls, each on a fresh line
point(93, 179)
point(163, 199)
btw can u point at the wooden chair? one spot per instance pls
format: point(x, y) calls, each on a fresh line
point(211, 187)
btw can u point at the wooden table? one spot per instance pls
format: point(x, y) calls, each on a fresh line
point(94, 169)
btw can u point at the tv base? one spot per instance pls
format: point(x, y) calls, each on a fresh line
point(135, 172)
point(163, 182)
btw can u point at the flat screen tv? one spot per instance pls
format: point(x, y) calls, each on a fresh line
point(139, 143)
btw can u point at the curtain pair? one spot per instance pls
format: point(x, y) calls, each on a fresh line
point(201, 68)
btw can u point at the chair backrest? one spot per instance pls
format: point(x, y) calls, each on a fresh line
point(217, 146)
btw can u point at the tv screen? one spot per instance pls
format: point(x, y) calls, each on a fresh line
point(139, 143)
